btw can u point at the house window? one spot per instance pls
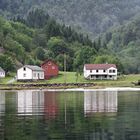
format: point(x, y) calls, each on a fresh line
point(49, 63)
point(104, 70)
point(97, 70)
point(24, 69)
point(110, 71)
point(53, 67)
point(113, 71)
point(24, 75)
point(90, 71)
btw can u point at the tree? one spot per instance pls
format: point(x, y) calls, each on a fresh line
point(7, 63)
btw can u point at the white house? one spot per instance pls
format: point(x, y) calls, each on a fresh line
point(2, 73)
point(29, 72)
point(100, 71)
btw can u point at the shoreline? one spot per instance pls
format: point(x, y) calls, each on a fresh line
point(67, 87)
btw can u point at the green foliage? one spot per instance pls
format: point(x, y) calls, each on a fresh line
point(122, 47)
point(94, 16)
point(6, 63)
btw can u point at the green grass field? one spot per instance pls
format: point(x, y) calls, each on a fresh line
point(123, 80)
point(70, 77)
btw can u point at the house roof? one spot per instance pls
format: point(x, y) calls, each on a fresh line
point(1, 70)
point(48, 61)
point(99, 66)
point(34, 68)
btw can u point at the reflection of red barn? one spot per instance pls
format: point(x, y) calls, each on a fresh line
point(50, 69)
point(50, 105)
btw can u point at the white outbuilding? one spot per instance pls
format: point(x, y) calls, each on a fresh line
point(2, 73)
point(30, 72)
point(100, 71)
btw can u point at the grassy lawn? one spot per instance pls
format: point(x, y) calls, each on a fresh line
point(70, 77)
point(5, 80)
point(124, 80)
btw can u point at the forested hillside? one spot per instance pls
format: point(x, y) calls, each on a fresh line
point(31, 35)
point(123, 42)
point(93, 16)
point(44, 39)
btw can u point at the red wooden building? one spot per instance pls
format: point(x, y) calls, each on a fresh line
point(50, 69)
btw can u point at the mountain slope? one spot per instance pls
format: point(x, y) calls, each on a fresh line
point(93, 16)
point(123, 42)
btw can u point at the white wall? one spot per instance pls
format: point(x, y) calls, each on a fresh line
point(38, 75)
point(2, 74)
point(21, 72)
point(87, 73)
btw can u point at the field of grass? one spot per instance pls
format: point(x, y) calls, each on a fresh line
point(123, 80)
point(71, 77)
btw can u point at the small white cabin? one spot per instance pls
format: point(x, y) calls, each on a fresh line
point(100, 71)
point(2, 73)
point(29, 72)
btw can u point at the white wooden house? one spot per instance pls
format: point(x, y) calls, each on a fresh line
point(100, 71)
point(2, 73)
point(29, 72)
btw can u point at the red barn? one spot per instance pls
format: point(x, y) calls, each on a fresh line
point(50, 69)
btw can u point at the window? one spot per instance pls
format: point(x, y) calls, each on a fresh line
point(114, 71)
point(110, 71)
point(97, 71)
point(24, 75)
point(53, 67)
point(49, 63)
point(104, 70)
point(24, 69)
point(90, 71)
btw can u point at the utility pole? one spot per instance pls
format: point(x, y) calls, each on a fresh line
point(65, 68)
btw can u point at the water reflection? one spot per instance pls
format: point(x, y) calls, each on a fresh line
point(44, 115)
point(2, 103)
point(30, 102)
point(100, 101)
point(50, 105)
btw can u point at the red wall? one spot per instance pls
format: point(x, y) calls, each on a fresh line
point(50, 69)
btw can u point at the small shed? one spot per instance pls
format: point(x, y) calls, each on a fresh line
point(50, 69)
point(2, 73)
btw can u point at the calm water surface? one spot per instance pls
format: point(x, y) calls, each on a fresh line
point(89, 115)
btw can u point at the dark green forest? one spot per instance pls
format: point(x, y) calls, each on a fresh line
point(92, 16)
point(30, 35)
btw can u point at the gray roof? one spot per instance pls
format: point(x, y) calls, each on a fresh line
point(34, 68)
point(1, 70)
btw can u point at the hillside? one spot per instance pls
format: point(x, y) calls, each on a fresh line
point(122, 42)
point(92, 16)
point(21, 44)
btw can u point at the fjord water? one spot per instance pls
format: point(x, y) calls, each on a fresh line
point(67, 115)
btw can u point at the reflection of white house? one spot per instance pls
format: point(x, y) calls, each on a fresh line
point(100, 101)
point(2, 73)
point(100, 71)
point(2, 103)
point(30, 102)
point(29, 72)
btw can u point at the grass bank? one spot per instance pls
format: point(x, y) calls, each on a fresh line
point(72, 77)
